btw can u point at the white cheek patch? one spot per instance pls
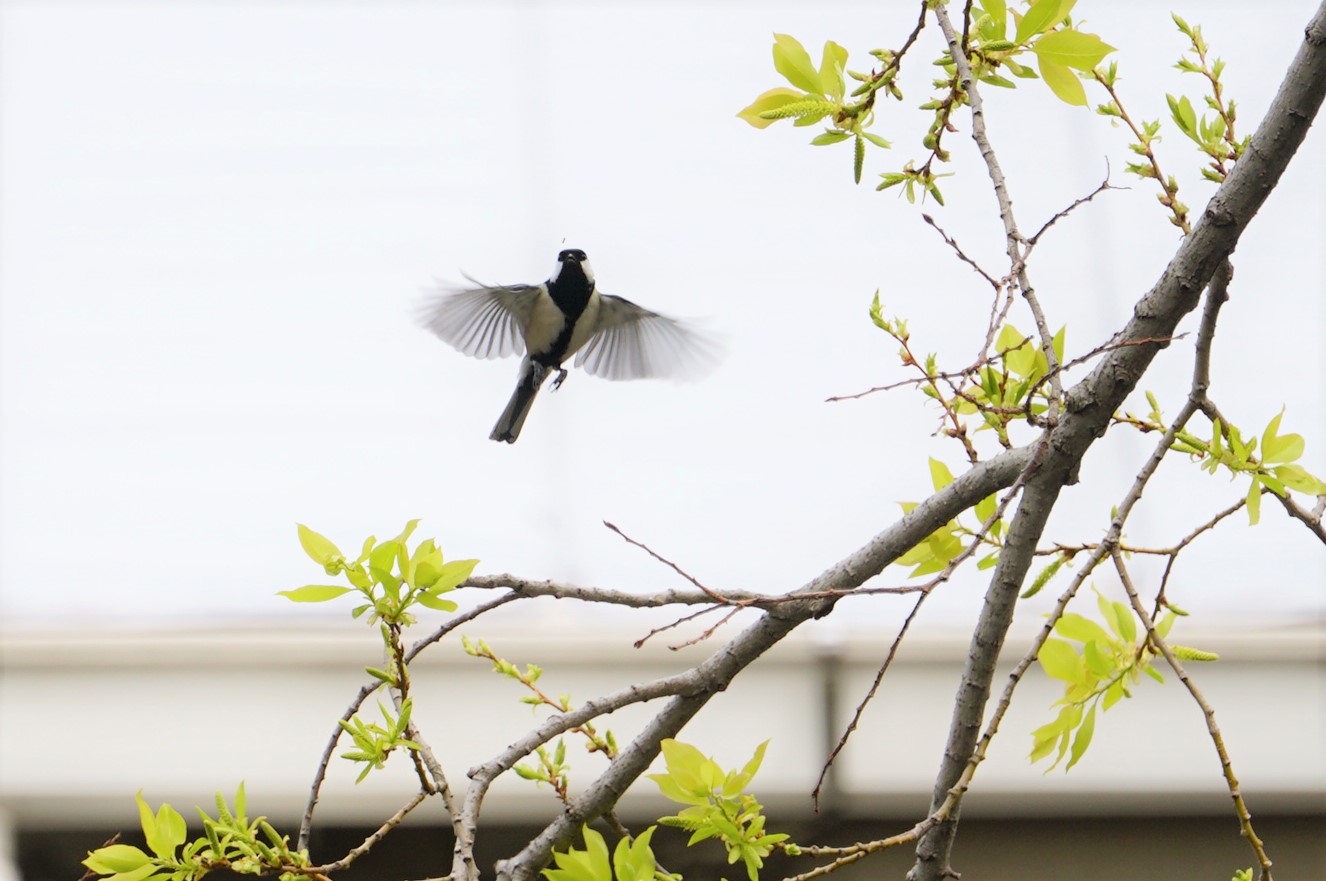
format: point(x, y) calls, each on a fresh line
point(589, 273)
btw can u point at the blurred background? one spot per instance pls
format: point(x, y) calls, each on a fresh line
point(218, 220)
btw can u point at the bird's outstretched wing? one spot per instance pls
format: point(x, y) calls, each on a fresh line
point(631, 342)
point(484, 321)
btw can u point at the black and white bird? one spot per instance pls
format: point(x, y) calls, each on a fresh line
point(611, 337)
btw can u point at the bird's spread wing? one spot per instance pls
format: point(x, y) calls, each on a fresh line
point(484, 321)
point(631, 342)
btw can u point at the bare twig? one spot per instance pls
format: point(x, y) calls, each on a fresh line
point(957, 249)
point(344, 862)
point(1217, 739)
point(1077, 203)
point(713, 595)
point(1310, 519)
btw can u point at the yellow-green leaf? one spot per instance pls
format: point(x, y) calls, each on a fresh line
point(792, 61)
point(1297, 478)
point(770, 100)
point(320, 549)
point(314, 593)
point(997, 10)
point(1076, 627)
point(433, 602)
point(1043, 15)
point(116, 859)
point(940, 476)
point(1255, 502)
point(1063, 82)
point(1127, 625)
point(1060, 660)
point(1072, 49)
point(452, 575)
point(1083, 738)
point(831, 70)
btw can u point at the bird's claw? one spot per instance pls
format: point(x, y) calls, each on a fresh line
point(560, 378)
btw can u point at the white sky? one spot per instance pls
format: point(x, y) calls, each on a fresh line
point(215, 221)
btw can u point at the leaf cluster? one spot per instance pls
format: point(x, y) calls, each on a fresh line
point(1097, 666)
point(373, 742)
point(946, 543)
point(718, 806)
point(605, 743)
point(818, 93)
point(231, 841)
point(390, 577)
point(632, 860)
point(1226, 448)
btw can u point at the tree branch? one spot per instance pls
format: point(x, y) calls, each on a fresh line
point(1091, 403)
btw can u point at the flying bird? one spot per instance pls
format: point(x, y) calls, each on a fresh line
point(566, 315)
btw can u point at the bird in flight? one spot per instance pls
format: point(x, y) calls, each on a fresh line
point(566, 315)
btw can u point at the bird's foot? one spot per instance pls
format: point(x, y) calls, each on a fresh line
point(561, 378)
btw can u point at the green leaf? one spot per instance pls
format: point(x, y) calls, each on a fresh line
point(1180, 110)
point(430, 601)
point(1074, 626)
point(997, 10)
point(940, 476)
point(1073, 49)
point(116, 859)
point(319, 548)
point(1063, 82)
point(831, 70)
point(792, 61)
point(1127, 624)
point(634, 860)
point(383, 556)
point(1114, 693)
point(750, 769)
point(1097, 658)
point(830, 137)
point(452, 575)
point(1043, 15)
point(1297, 478)
point(1255, 501)
point(148, 821)
point(172, 831)
point(770, 100)
point(314, 593)
point(1083, 738)
point(1277, 448)
point(1061, 661)
point(858, 159)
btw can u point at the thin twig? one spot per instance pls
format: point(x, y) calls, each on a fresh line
point(712, 594)
point(1240, 807)
point(392, 822)
point(1102, 187)
point(957, 249)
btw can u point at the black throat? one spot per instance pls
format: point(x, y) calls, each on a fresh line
point(570, 291)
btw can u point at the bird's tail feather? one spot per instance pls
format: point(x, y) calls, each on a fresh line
point(532, 376)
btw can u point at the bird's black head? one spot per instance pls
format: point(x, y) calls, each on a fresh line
point(572, 263)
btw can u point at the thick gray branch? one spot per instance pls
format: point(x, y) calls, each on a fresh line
point(694, 688)
point(1092, 401)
